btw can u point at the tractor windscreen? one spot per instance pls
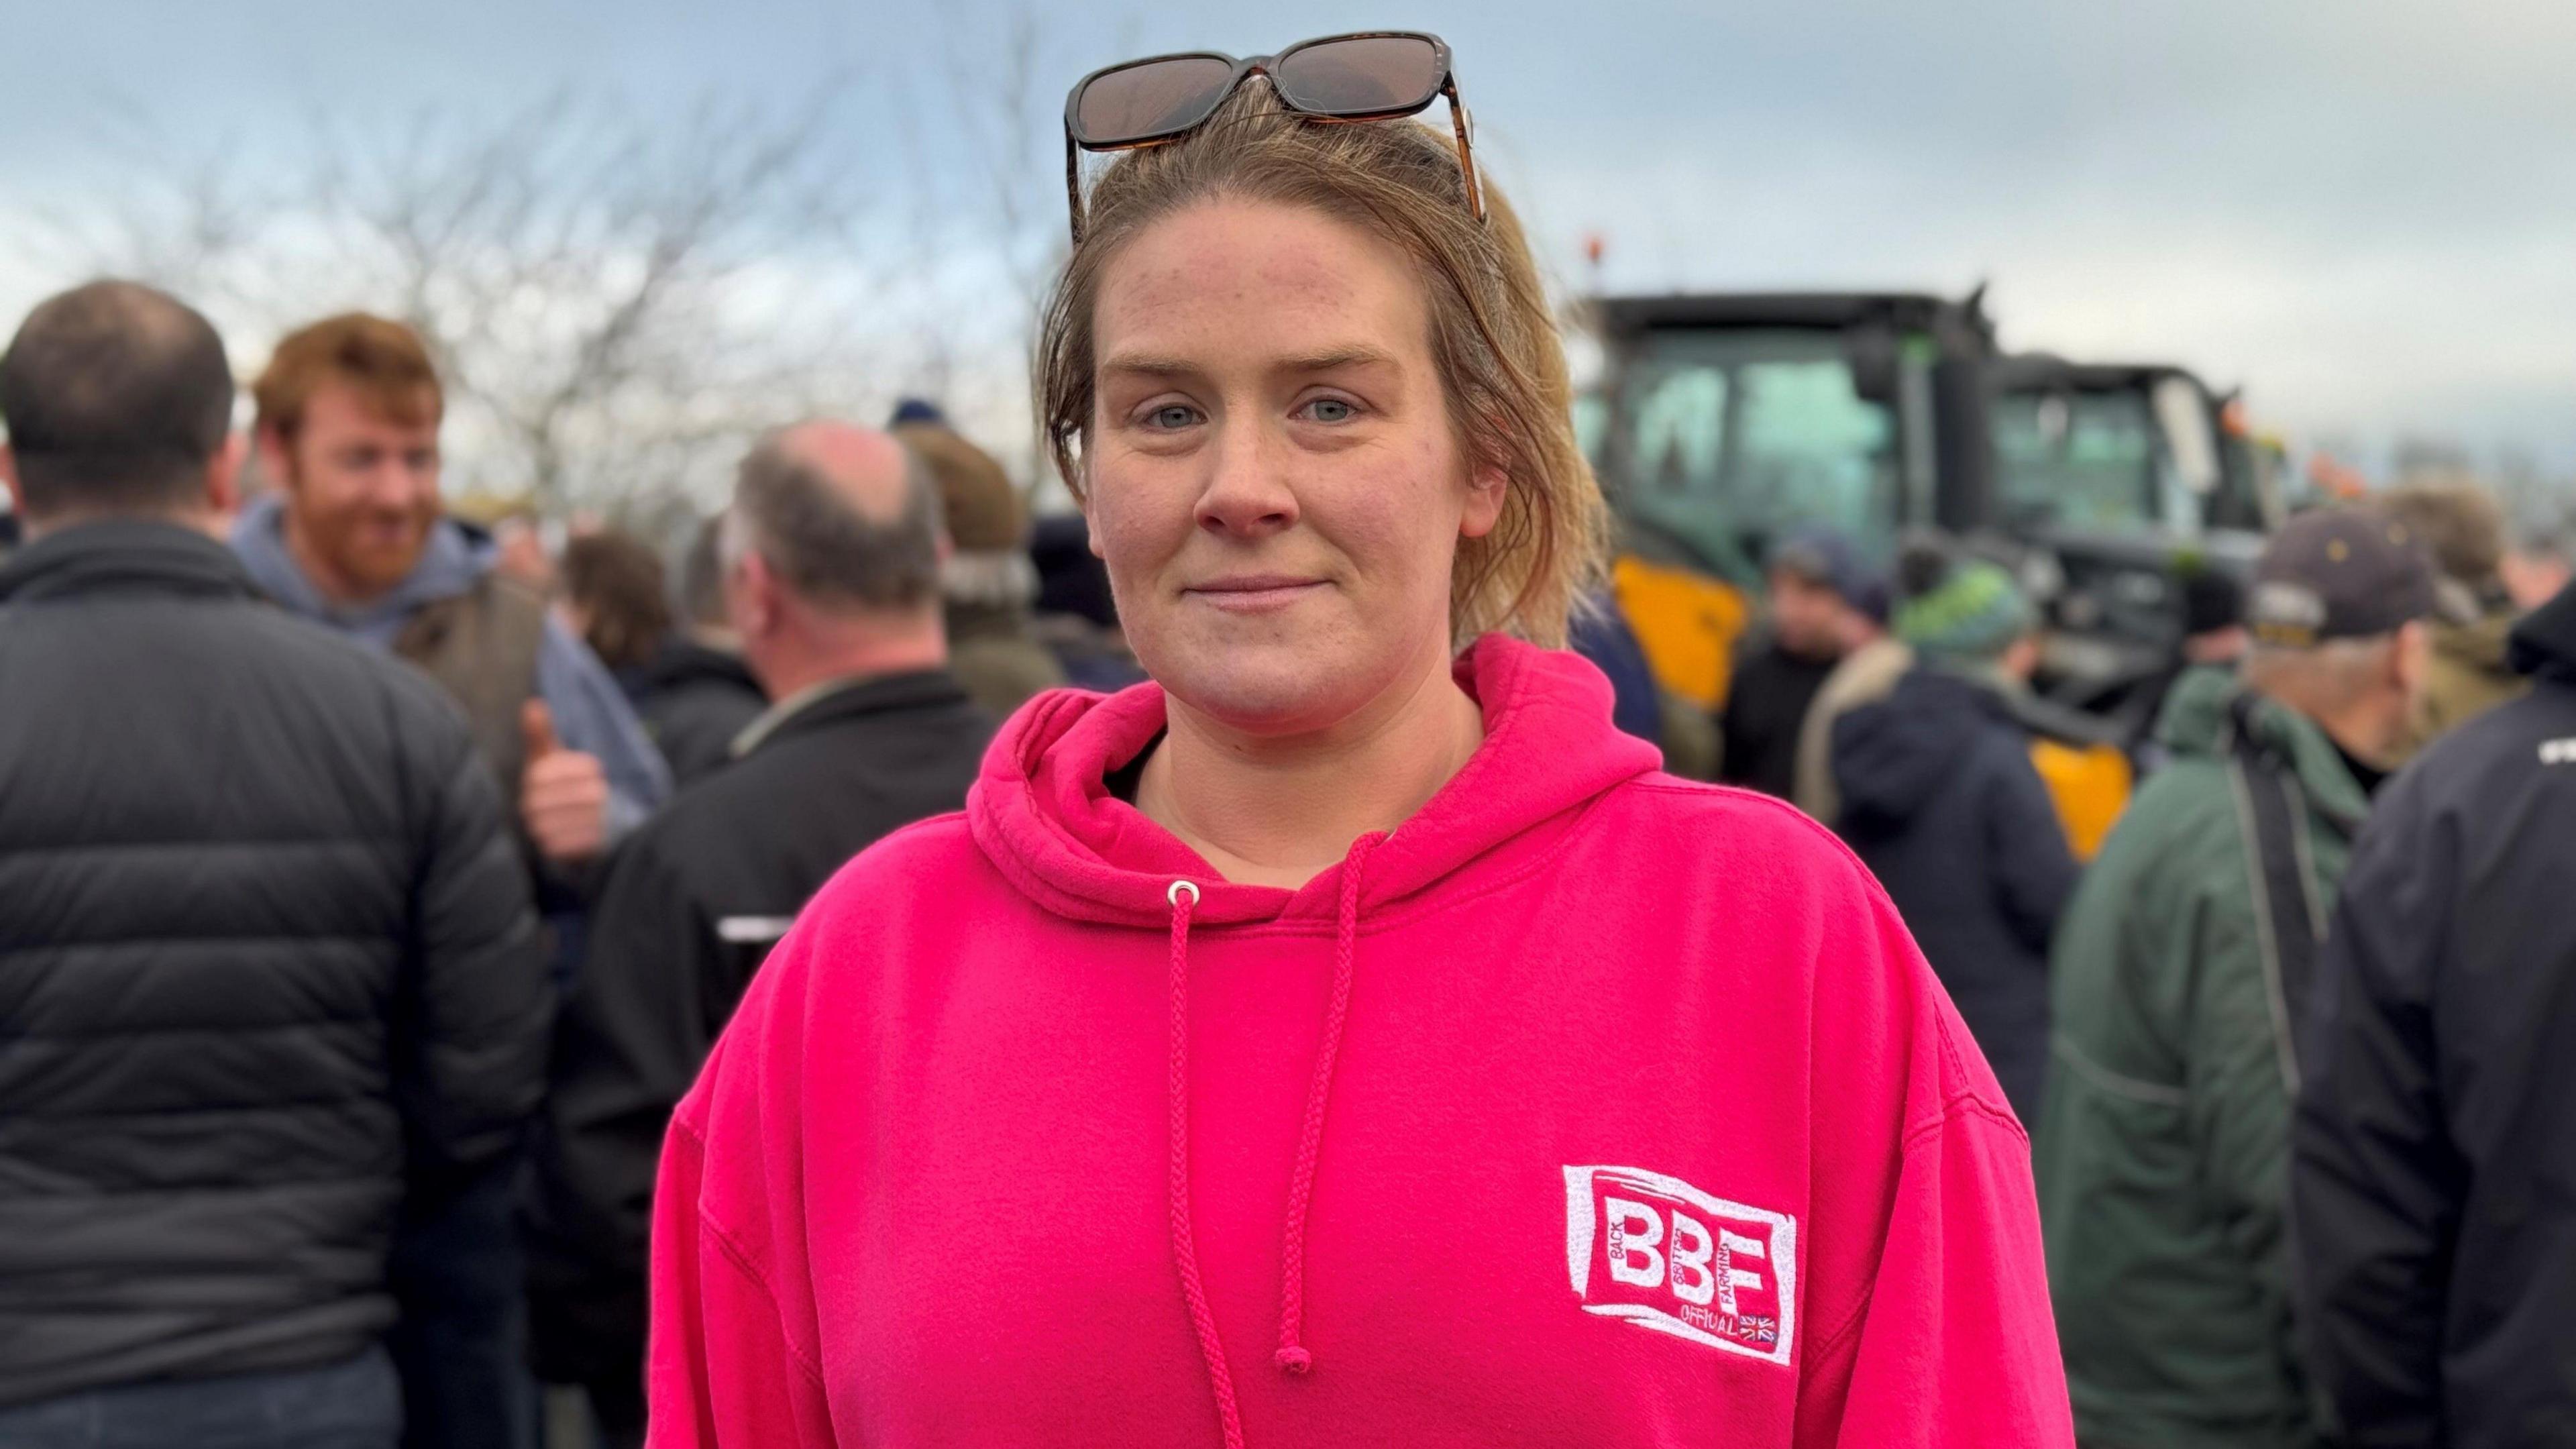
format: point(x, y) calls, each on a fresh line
point(1735, 437)
point(2135, 455)
point(2076, 459)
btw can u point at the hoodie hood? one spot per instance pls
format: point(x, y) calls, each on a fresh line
point(456, 556)
point(1044, 816)
point(2544, 643)
point(1889, 757)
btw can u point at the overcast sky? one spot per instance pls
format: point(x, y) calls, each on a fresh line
point(2364, 211)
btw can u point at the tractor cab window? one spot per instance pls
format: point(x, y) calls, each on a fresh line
point(1731, 438)
point(2077, 460)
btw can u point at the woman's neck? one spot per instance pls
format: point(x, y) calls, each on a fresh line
point(1281, 810)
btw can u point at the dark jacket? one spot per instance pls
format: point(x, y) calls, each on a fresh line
point(693, 701)
point(2164, 1142)
point(692, 905)
point(1766, 706)
point(261, 932)
point(2434, 1185)
point(1601, 634)
point(1939, 799)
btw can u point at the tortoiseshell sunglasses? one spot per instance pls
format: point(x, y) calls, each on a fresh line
point(1376, 75)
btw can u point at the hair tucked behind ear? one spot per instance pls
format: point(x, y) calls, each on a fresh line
point(1493, 338)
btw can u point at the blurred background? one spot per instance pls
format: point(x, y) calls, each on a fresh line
point(637, 233)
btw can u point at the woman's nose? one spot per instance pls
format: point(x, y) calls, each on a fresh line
point(1248, 495)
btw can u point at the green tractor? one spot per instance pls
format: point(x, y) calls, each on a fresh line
point(2112, 480)
point(1718, 423)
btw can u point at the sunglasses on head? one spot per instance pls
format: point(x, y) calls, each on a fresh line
point(1376, 75)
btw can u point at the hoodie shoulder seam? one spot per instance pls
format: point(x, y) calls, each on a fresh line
point(1962, 1104)
point(1959, 1105)
point(740, 1257)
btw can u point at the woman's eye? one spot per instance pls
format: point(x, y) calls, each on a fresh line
point(1171, 416)
point(1331, 410)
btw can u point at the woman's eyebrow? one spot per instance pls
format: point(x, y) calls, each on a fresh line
point(1358, 354)
point(1355, 355)
point(1147, 365)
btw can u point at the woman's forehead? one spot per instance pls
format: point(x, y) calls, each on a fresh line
point(1262, 276)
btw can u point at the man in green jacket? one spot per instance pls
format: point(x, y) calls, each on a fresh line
point(2164, 1140)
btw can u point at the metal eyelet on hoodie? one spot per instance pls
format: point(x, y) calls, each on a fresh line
point(1292, 1356)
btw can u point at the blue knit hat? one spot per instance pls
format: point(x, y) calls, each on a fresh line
point(1972, 616)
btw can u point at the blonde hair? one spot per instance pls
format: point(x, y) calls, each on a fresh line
point(1493, 337)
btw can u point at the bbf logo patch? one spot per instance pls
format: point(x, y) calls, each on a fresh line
point(1664, 1255)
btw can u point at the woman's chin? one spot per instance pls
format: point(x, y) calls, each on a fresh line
point(1268, 692)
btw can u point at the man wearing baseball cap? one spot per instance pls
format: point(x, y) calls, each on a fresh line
point(2163, 1144)
point(1823, 601)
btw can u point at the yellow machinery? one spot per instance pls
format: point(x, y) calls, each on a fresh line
point(2090, 785)
point(1686, 622)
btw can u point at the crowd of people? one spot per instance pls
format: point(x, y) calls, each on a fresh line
point(319, 802)
point(2283, 1043)
point(433, 968)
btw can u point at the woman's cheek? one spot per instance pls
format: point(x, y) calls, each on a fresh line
point(1138, 533)
point(1399, 512)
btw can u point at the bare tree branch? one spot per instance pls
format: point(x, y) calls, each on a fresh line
point(619, 297)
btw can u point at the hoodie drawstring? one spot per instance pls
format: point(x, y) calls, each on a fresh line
point(1292, 1356)
point(1184, 897)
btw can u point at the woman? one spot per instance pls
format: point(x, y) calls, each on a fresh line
point(1341, 1039)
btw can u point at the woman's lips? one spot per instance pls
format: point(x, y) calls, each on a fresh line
point(1253, 595)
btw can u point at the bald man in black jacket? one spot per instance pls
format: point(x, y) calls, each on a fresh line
point(832, 575)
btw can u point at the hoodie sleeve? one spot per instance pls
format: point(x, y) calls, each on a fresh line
point(1956, 1344)
point(592, 716)
point(722, 1369)
point(731, 1357)
point(1932, 1316)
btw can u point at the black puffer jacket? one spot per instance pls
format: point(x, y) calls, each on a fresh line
point(1941, 801)
point(2433, 1170)
point(265, 954)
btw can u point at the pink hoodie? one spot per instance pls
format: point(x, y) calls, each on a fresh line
point(1591, 1107)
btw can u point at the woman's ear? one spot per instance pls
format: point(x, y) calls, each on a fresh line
point(1486, 487)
